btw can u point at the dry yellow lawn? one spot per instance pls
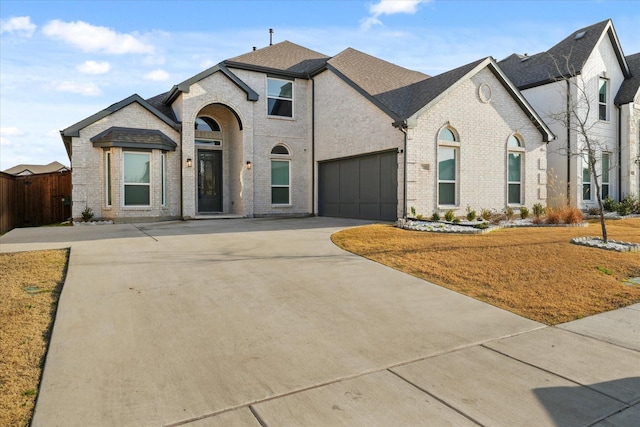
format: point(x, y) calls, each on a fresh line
point(26, 318)
point(534, 272)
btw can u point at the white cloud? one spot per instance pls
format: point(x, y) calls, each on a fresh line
point(86, 89)
point(92, 38)
point(12, 131)
point(389, 7)
point(19, 24)
point(157, 76)
point(94, 67)
point(9, 132)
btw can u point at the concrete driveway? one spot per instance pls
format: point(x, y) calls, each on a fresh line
point(265, 322)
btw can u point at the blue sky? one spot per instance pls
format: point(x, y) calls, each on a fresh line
point(62, 61)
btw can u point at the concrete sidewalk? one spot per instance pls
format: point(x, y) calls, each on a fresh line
point(265, 322)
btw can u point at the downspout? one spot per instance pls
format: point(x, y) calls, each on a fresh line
point(568, 142)
point(313, 147)
point(402, 128)
point(181, 177)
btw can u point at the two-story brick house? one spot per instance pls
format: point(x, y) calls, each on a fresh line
point(584, 77)
point(284, 130)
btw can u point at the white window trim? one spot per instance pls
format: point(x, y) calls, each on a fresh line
point(607, 96)
point(149, 184)
point(585, 161)
point(293, 88)
point(163, 179)
point(281, 158)
point(108, 184)
point(456, 147)
point(519, 150)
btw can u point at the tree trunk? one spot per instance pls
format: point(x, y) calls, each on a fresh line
point(603, 225)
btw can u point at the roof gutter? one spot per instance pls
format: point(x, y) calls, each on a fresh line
point(402, 127)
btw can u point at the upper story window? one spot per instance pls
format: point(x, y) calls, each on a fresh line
point(603, 99)
point(279, 97)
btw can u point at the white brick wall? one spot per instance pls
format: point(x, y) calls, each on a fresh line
point(483, 129)
point(88, 170)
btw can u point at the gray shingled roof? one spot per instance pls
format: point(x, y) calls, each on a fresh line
point(631, 85)
point(375, 76)
point(158, 102)
point(564, 59)
point(283, 56)
point(407, 100)
point(134, 138)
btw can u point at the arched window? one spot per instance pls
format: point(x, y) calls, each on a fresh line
point(207, 124)
point(280, 175)
point(515, 153)
point(448, 155)
point(280, 149)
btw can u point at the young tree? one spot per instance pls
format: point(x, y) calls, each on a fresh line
point(581, 118)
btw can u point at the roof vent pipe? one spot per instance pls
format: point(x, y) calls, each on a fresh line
point(270, 36)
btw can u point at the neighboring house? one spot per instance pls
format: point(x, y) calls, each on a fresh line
point(628, 100)
point(285, 130)
point(588, 61)
point(22, 170)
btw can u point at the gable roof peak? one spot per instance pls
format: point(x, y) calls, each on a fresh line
point(284, 56)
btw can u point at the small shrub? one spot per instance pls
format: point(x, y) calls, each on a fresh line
point(471, 215)
point(87, 214)
point(449, 216)
point(524, 212)
point(623, 209)
point(509, 213)
point(419, 216)
point(570, 215)
point(413, 211)
point(553, 216)
point(609, 204)
point(481, 226)
point(486, 214)
point(435, 216)
point(594, 211)
point(456, 220)
point(538, 210)
point(628, 205)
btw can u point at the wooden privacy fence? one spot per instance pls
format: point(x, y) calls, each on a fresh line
point(34, 200)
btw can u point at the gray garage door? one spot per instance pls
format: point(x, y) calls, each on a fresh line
point(364, 187)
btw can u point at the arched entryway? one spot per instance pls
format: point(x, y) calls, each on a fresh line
point(218, 153)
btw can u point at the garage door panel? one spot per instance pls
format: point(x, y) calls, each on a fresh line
point(361, 187)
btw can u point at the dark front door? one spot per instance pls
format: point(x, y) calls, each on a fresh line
point(209, 181)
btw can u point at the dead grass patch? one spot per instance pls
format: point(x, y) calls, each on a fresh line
point(534, 272)
point(30, 284)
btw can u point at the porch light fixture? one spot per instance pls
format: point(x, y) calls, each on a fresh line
point(248, 165)
point(189, 163)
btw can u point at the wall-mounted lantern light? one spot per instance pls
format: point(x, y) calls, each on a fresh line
point(248, 165)
point(189, 163)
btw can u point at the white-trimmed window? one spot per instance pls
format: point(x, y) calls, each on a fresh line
point(606, 164)
point(515, 153)
point(279, 97)
point(163, 179)
point(136, 178)
point(448, 153)
point(603, 99)
point(280, 176)
point(586, 177)
point(107, 178)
